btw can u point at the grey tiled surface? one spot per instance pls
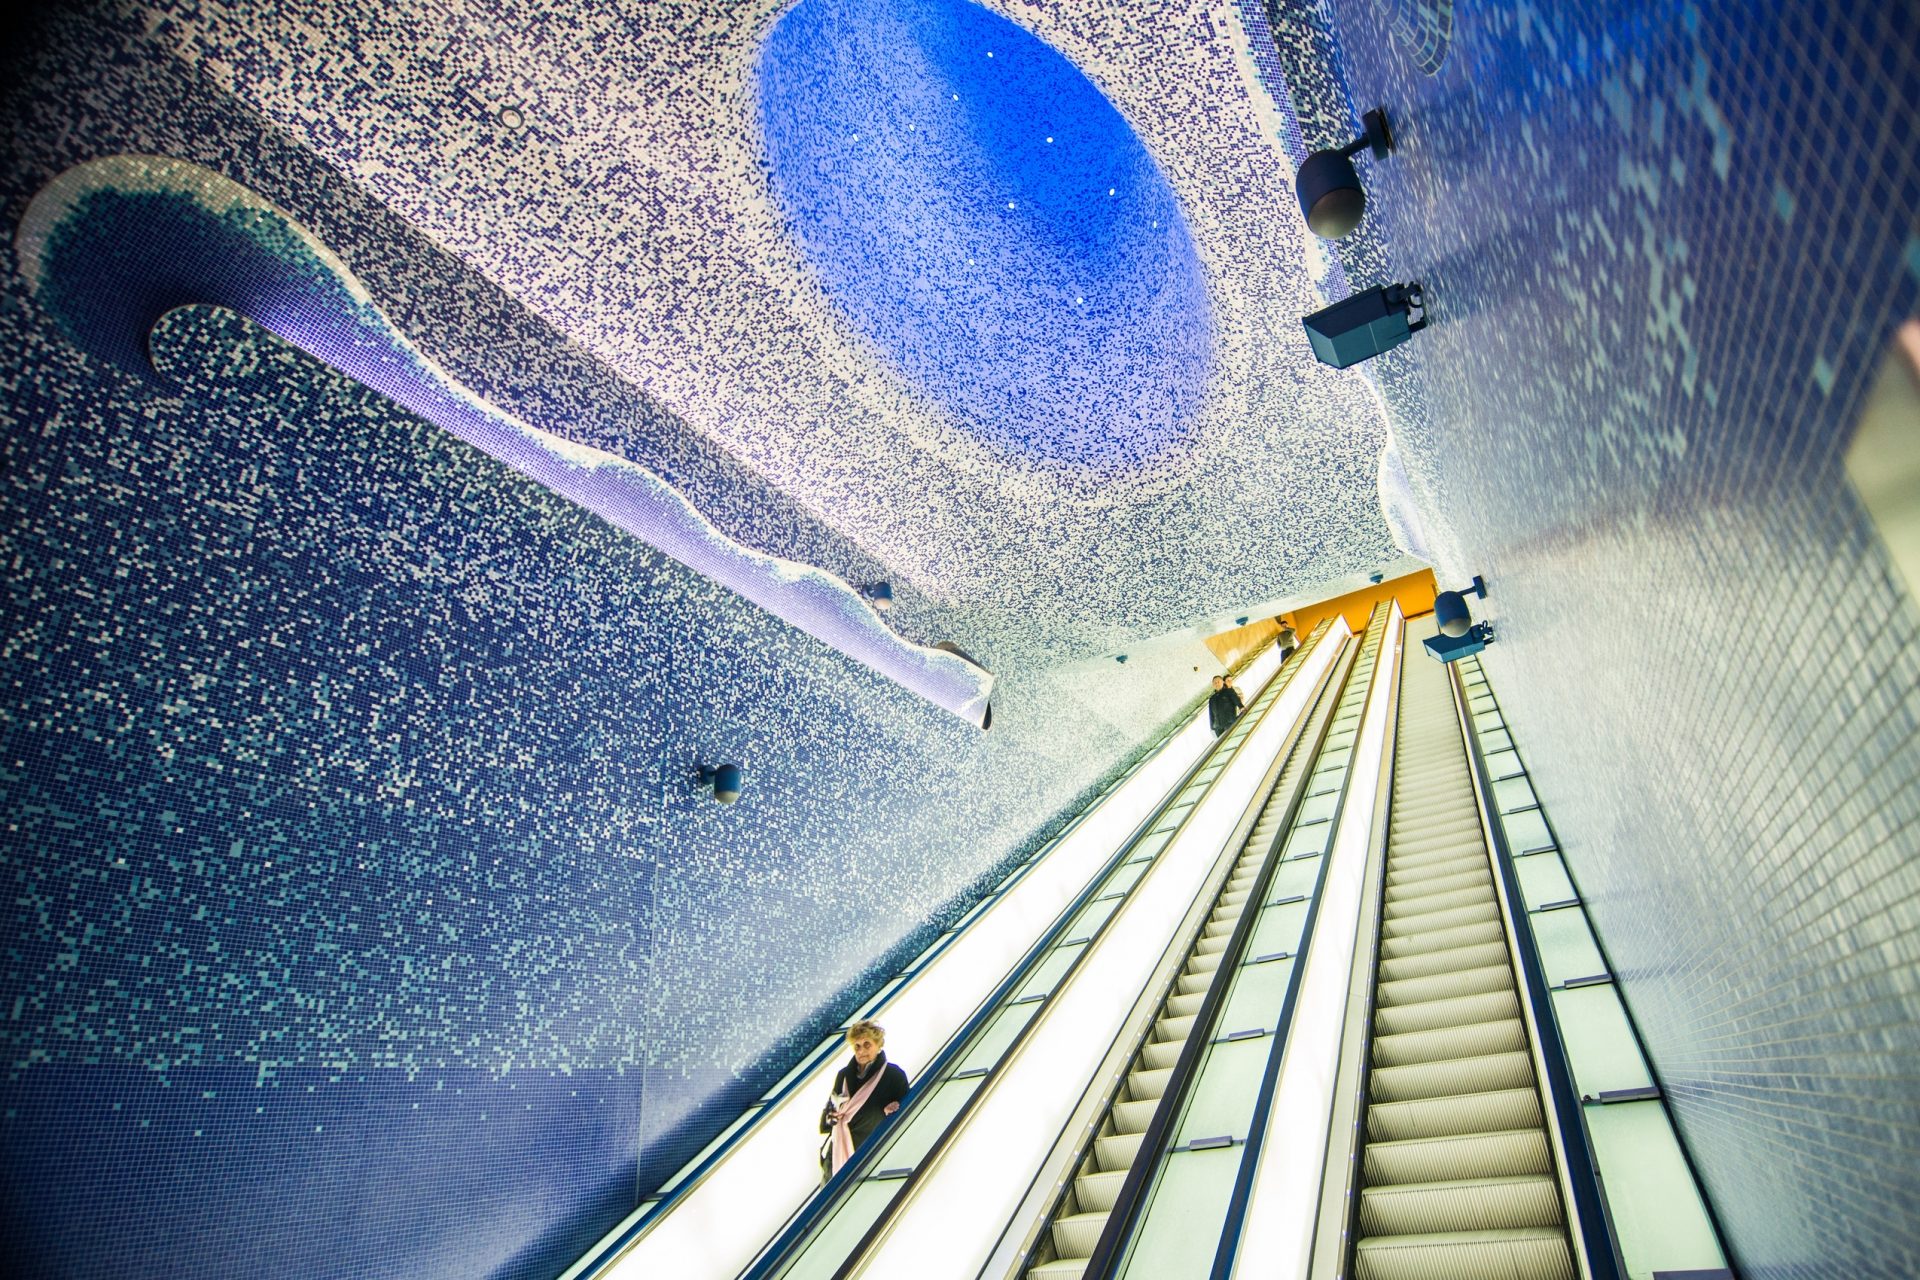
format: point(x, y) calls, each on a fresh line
point(1665, 245)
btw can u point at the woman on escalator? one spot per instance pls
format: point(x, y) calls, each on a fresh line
point(865, 1092)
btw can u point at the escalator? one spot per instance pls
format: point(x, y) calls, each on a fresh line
point(1455, 1170)
point(843, 1224)
point(1299, 1027)
point(1182, 1025)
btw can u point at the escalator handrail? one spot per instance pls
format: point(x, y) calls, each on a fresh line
point(1594, 1221)
point(1131, 1198)
point(800, 1227)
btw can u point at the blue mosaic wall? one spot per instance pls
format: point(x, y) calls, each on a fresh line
point(1665, 245)
point(359, 920)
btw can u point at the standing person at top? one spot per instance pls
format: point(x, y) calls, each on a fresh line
point(1223, 708)
point(866, 1091)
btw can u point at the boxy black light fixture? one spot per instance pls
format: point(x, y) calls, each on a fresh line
point(1363, 326)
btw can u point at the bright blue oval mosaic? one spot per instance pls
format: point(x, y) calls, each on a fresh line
point(985, 217)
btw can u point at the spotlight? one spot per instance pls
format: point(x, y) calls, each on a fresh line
point(1366, 324)
point(1450, 608)
point(1330, 195)
point(1459, 634)
point(879, 595)
point(724, 781)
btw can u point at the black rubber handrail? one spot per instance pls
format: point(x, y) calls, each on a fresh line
point(1131, 1198)
point(779, 1253)
point(1597, 1239)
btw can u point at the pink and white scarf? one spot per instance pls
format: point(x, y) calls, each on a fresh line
point(844, 1113)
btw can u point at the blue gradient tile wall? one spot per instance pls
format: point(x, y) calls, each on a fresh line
point(1666, 246)
point(359, 921)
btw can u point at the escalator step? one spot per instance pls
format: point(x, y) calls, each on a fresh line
point(1442, 1044)
point(1142, 1085)
point(1454, 1076)
point(1116, 1151)
point(1460, 1204)
point(1173, 1028)
point(1474, 955)
point(1444, 986)
point(1478, 913)
point(1446, 900)
point(1500, 1153)
point(1453, 1114)
point(1059, 1269)
point(1185, 1005)
point(1398, 875)
point(1133, 1117)
point(1075, 1235)
point(1443, 939)
point(1160, 1055)
point(1428, 1015)
point(1096, 1192)
point(1435, 846)
point(1530, 1253)
point(1468, 877)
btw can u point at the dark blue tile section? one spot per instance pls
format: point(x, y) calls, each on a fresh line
point(1666, 245)
point(358, 920)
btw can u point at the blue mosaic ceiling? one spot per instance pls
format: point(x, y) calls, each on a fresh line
point(1060, 427)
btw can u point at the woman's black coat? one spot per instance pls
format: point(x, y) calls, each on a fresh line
point(892, 1088)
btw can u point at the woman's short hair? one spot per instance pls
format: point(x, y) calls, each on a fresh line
point(864, 1030)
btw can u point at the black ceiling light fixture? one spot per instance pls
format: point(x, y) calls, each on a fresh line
point(1331, 198)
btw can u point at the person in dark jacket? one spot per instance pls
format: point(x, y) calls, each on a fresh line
point(865, 1092)
point(1223, 708)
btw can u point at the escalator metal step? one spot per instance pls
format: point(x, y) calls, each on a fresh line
point(1499, 1153)
point(1460, 1204)
point(1489, 1112)
point(1075, 1234)
point(1116, 1151)
point(1148, 1084)
point(1466, 878)
point(1478, 913)
point(1442, 986)
point(1133, 1117)
point(1172, 1028)
point(1160, 1055)
point(1457, 1075)
point(1186, 1005)
point(1442, 1044)
point(1425, 964)
point(1097, 1191)
point(1487, 1006)
point(1443, 939)
point(1474, 861)
point(1429, 903)
point(1531, 1253)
